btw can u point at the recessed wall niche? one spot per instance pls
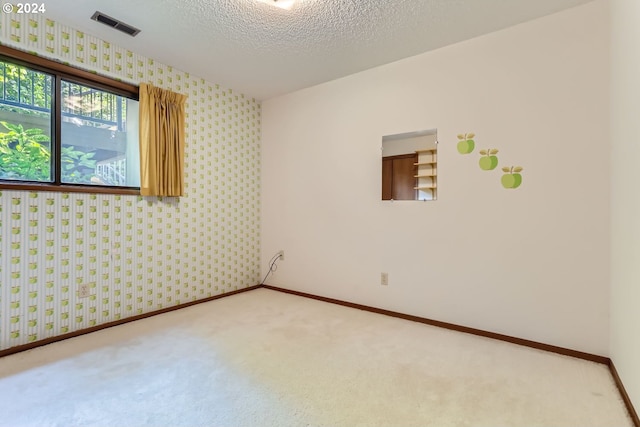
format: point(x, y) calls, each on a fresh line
point(410, 166)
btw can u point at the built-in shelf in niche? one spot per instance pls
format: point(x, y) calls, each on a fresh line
point(426, 174)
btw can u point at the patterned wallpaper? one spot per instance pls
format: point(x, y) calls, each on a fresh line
point(137, 254)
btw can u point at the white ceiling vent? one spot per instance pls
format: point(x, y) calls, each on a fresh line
point(115, 23)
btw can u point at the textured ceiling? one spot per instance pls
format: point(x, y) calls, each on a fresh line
point(264, 51)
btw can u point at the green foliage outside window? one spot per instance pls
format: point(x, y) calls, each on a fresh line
point(25, 155)
point(77, 166)
point(28, 87)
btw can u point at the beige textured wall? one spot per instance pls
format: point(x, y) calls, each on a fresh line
point(532, 262)
point(625, 221)
point(138, 254)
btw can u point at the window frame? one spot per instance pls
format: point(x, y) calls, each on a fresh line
point(59, 72)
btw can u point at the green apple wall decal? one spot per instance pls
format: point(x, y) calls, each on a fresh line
point(466, 143)
point(512, 177)
point(488, 161)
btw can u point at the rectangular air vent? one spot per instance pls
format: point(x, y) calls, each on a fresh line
point(114, 23)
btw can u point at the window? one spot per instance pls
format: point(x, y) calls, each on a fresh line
point(65, 129)
point(410, 166)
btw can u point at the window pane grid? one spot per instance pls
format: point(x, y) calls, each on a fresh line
point(93, 145)
point(93, 106)
point(25, 125)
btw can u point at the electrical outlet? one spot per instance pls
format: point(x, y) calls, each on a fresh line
point(84, 291)
point(281, 253)
point(384, 279)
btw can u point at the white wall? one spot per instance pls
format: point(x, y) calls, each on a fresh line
point(531, 262)
point(625, 195)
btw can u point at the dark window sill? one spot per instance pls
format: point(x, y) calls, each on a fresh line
point(95, 189)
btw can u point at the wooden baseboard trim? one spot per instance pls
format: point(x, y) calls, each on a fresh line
point(514, 340)
point(39, 343)
point(519, 341)
point(623, 393)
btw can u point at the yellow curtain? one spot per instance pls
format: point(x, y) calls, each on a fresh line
point(162, 116)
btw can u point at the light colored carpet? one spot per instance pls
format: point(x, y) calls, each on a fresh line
point(264, 358)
